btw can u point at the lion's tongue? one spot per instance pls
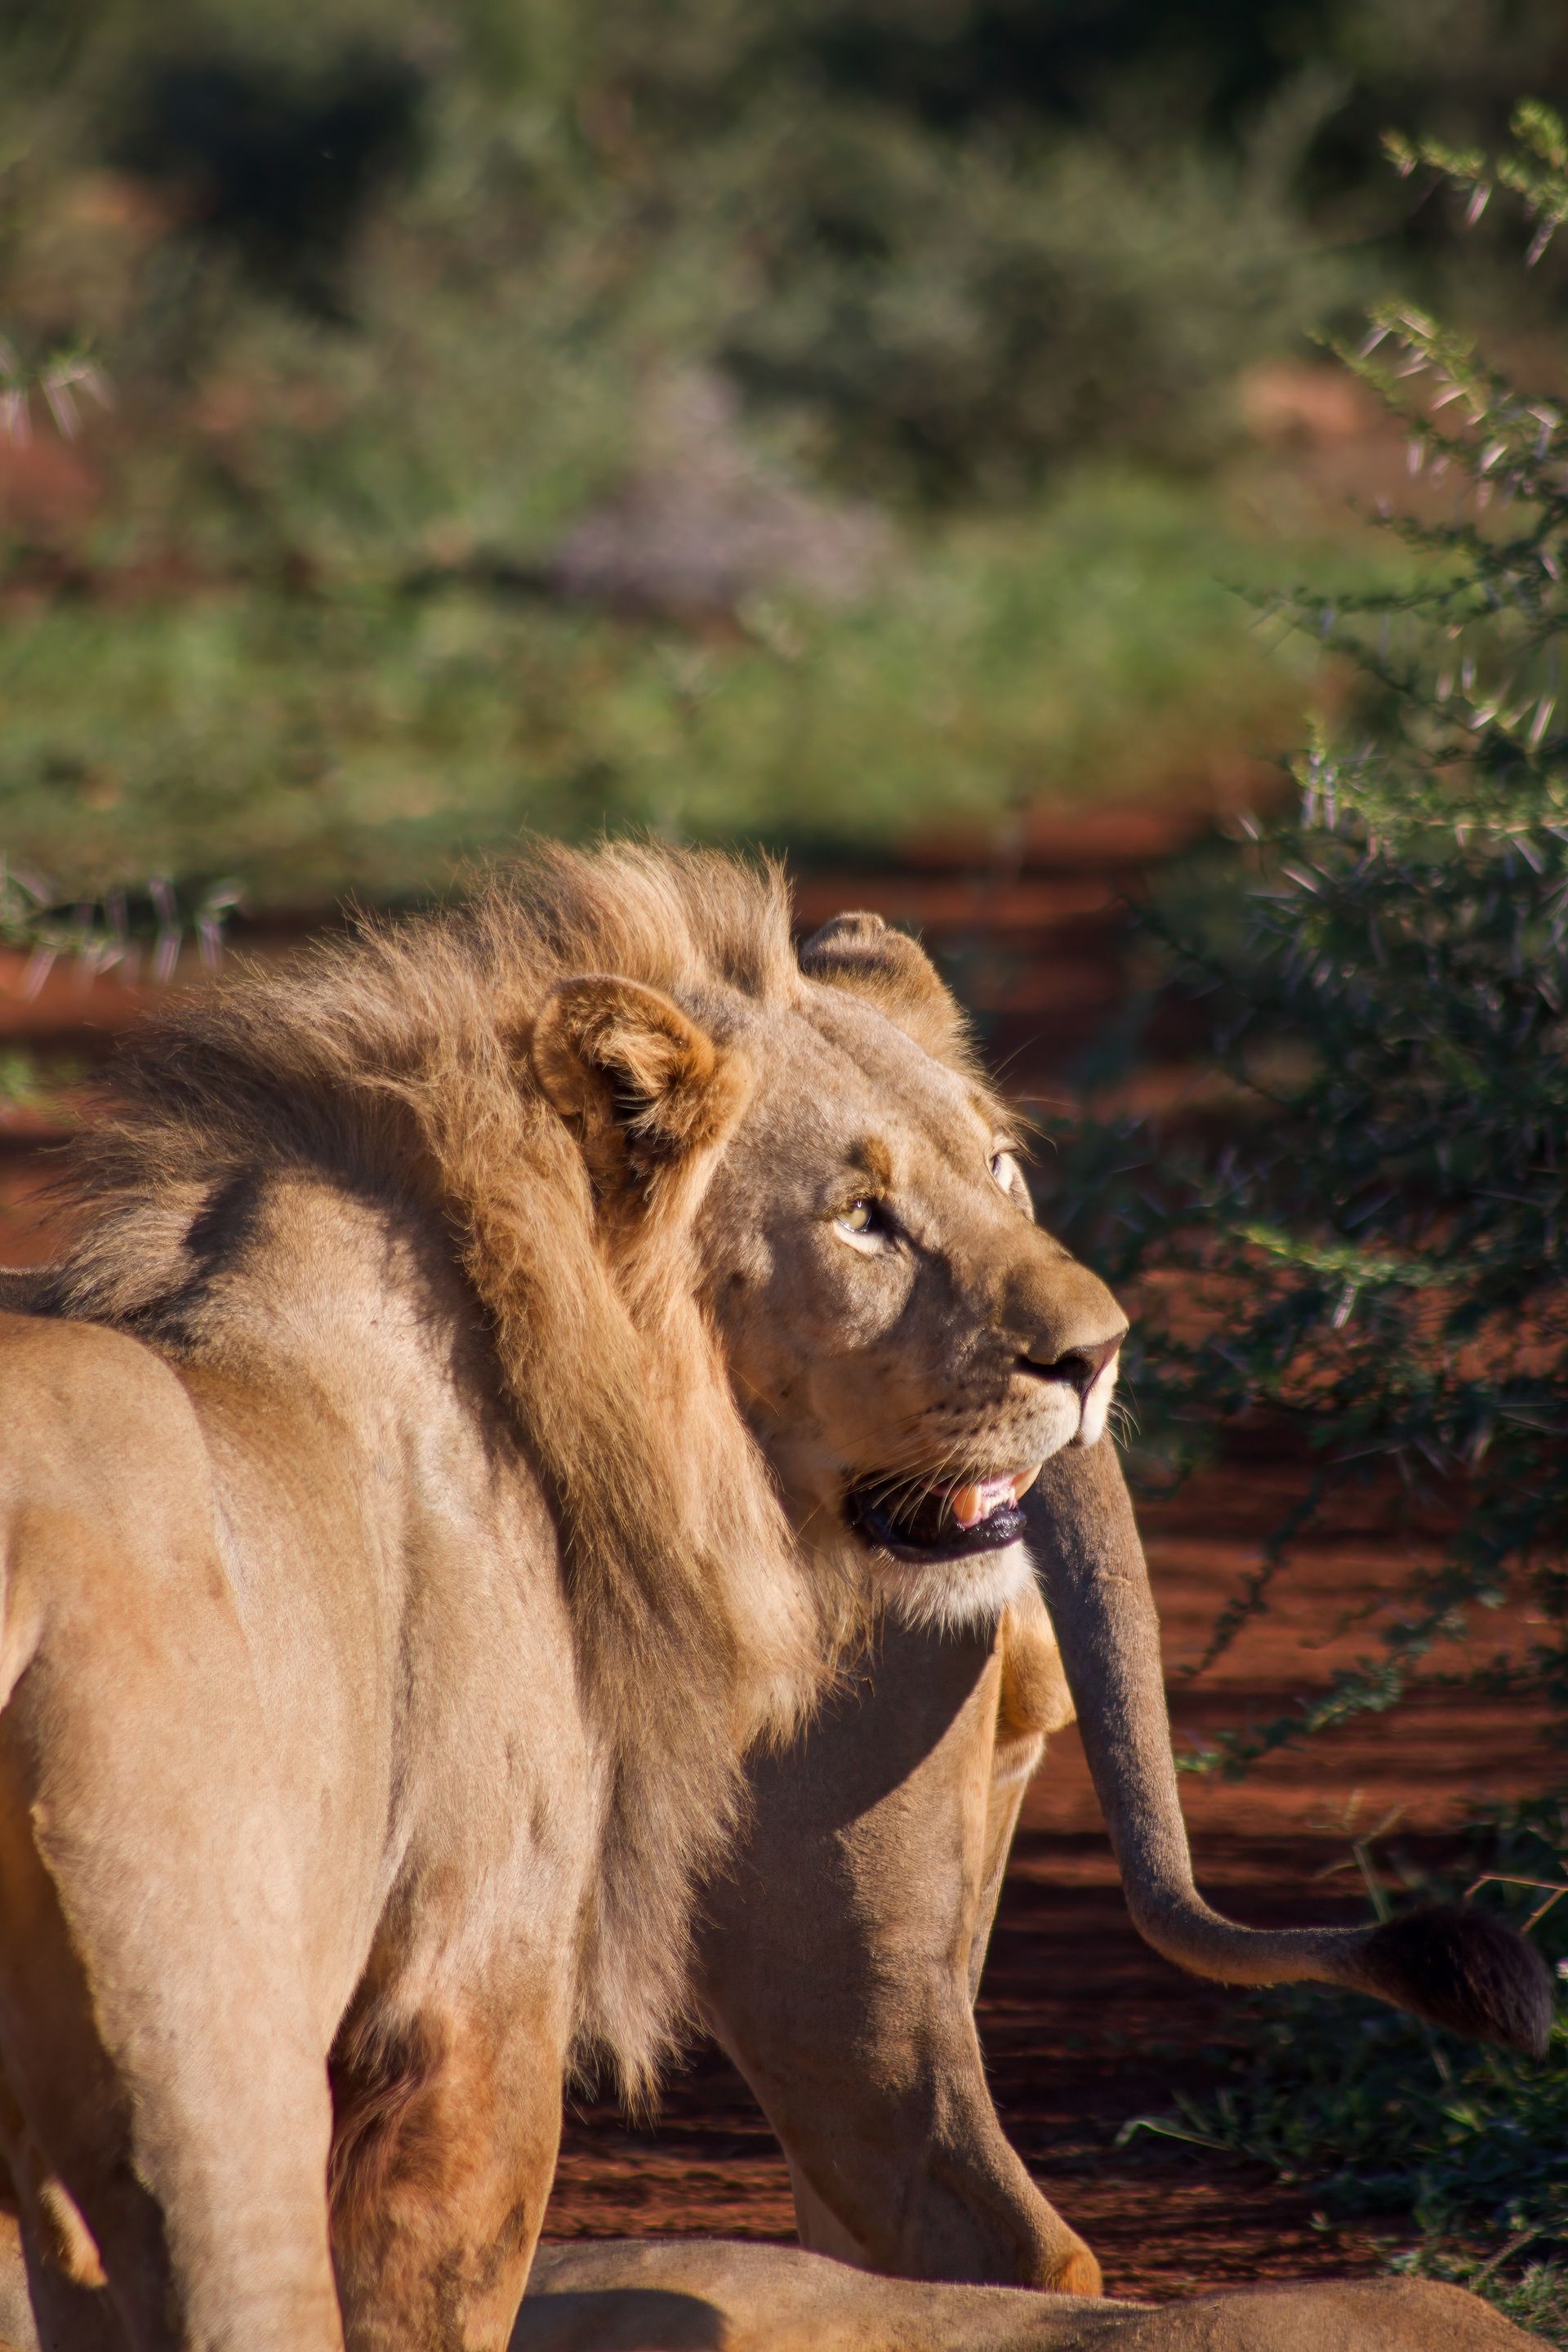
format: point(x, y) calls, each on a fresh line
point(969, 1505)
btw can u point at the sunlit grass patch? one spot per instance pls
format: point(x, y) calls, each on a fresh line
point(364, 738)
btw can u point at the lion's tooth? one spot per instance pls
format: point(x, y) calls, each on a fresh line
point(968, 1505)
point(1023, 1480)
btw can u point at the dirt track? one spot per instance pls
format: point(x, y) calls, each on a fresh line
point(1083, 2025)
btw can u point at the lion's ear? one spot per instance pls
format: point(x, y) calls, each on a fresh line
point(648, 1091)
point(859, 951)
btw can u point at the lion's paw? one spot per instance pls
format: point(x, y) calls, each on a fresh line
point(1076, 2273)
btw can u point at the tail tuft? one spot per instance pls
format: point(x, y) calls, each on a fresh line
point(1464, 1968)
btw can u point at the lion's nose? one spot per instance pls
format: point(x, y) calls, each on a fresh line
point(1079, 1368)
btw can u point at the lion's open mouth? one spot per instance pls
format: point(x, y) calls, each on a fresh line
point(941, 1522)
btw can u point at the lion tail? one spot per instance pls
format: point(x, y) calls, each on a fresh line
point(1447, 1963)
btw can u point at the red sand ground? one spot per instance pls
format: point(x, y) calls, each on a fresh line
point(1083, 2025)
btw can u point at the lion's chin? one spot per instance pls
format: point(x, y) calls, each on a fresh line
point(952, 1595)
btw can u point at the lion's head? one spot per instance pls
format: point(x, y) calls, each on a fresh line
point(905, 1343)
point(719, 1201)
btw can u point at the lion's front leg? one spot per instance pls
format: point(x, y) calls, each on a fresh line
point(840, 1957)
point(447, 2122)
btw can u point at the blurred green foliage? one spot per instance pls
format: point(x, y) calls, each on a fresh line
point(390, 300)
point(361, 737)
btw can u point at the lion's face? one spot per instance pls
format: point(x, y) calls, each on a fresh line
point(907, 1343)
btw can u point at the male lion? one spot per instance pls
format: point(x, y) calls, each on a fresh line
point(503, 1361)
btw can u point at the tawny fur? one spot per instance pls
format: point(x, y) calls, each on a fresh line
point(398, 1063)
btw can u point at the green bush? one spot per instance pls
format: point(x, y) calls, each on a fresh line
point(1392, 982)
point(1381, 1232)
point(964, 320)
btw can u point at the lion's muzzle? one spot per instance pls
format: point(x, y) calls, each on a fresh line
point(1089, 1372)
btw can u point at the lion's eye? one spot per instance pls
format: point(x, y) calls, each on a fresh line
point(864, 1221)
point(1006, 1170)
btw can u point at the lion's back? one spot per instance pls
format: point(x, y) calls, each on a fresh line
point(104, 1476)
point(94, 1412)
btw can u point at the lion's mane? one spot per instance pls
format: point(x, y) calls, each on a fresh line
point(394, 1063)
